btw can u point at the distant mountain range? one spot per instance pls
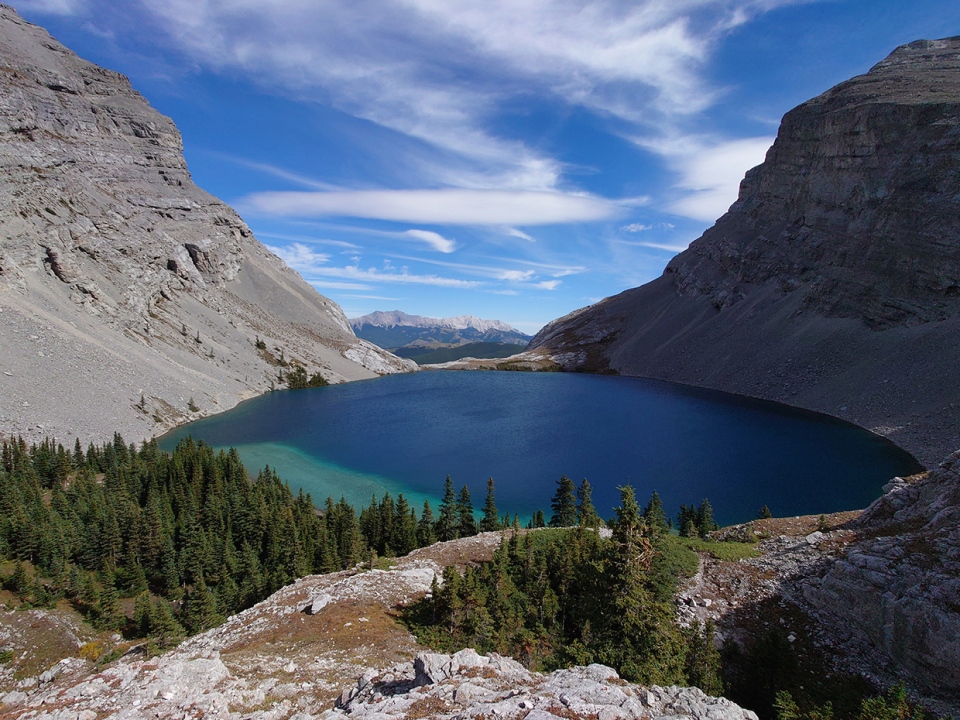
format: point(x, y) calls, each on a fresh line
point(396, 329)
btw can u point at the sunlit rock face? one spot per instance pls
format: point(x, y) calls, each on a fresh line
point(832, 282)
point(120, 279)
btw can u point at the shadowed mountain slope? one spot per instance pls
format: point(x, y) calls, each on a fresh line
point(833, 283)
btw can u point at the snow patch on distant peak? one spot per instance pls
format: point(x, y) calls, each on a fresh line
point(393, 318)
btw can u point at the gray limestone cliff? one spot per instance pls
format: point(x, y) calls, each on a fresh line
point(833, 283)
point(126, 290)
point(892, 597)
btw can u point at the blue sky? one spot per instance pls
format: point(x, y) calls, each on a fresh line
point(511, 159)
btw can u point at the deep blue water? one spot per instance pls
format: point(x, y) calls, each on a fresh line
point(405, 433)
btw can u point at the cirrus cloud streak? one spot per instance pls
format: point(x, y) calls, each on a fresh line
point(442, 207)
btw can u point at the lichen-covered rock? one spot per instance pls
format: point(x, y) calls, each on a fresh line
point(832, 282)
point(123, 286)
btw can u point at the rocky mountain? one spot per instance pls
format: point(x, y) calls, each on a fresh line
point(123, 286)
point(396, 329)
point(832, 282)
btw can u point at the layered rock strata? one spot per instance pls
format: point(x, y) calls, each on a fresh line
point(832, 282)
point(894, 596)
point(126, 290)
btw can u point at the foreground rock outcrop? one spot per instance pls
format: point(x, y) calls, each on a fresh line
point(123, 286)
point(832, 282)
point(894, 596)
point(468, 685)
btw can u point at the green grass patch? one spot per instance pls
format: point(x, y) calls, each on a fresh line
point(726, 551)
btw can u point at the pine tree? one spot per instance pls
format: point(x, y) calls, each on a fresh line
point(538, 520)
point(654, 515)
point(108, 613)
point(447, 522)
point(705, 522)
point(702, 662)
point(687, 521)
point(199, 610)
point(586, 513)
point(404, 537)
point(466, 524)
point(166, 630)
point(646, 644)
point(764, 513)
point(491, 518)
point(564, 504)
point(425, 532)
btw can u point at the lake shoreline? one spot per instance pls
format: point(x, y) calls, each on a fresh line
point(917, 448)
point(382, 433)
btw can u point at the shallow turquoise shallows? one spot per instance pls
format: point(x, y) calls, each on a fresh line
point(405, 433)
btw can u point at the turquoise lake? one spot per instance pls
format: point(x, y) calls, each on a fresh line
point(406, 433)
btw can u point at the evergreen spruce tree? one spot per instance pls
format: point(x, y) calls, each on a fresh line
point(166, 630)
point(425, 530)
point(538, 520)
point(108, 613)
point(142, 625)
point(687, 521)
point(199, 611)
point(702, 661)
point(654, 515)
point(466, 524)
point(491, 518)
point(564, 504)
point(764, 513)
point(404, 536)
point(643, 640)
point(586, 513)
point(447, 522)
point(705, 522)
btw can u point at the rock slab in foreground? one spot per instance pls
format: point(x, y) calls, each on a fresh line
point(468, 685)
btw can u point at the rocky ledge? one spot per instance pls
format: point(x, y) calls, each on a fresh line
point(892, 597)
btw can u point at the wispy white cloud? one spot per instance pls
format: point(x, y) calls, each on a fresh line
point(641, 227)
point(514, 232)
point(709, 171)
point(314, 268)
point(516, 275)
point(439, 70)
point(636, 228)
point(299, 256)
point(278, 172)
point(334, 285)
point(658, 246)
point(441, 207)
point(309, 239)
point(548, 284)
point(435, 240)
point(52, 7)
point(373, 275)
point(500, 273)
